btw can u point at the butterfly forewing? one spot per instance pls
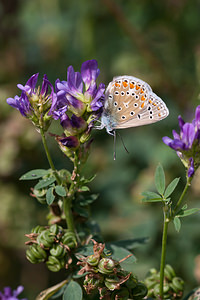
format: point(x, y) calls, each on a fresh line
point(130, 102)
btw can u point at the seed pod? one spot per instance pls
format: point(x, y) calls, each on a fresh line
point(40, 195)
point(106, 265)
point(31, 257)
point(140, 291)
point(46, 238)
point(54, 264)
point(58, 251)
point(38, 229)
point(170, 270)
point(93, 260)
point(35, 254)
point(112, 282)
point(69, 239)
point(177, 284)
point(122, 294)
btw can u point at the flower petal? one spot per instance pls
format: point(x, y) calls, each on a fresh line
point(197, 117)
point(188, 134)
point(191, 168)
point(89, 72)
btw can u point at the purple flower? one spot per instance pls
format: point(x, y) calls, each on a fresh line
point(8, 294)
point(191, 167)
point(73, 126)
point(187, 143)
point(80, 92)
point(30, 95)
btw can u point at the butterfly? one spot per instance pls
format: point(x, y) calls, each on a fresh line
point(130, 102)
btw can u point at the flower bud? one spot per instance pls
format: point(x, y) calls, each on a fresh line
point(73, 126)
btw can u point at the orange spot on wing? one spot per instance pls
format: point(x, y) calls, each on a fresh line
point(143, 98)
point(158, 108)
point(137, 87)
point(142, 91)
point(150, 101)
point(154, 104)
point(117, 84)
point(125, 84)
point(131, 86)
point(159, 115)
point(142, 105)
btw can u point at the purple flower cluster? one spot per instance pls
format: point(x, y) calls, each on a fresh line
point(79, 93)
point(187, 143)
point(8, 294)
point(30, 95)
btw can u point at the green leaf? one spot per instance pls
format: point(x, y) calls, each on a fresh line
point(177, 223)
point(187, 212)
point(118, 253)
point(73, 292)
point(84, 188)
point(85, 181)
point(46, 294)
point(130, 244)
point(50, 196)
point(34, 174)
point(81, 211)
point(171, 187)
point(160, 179)
point(90, 199)
point(151, 197)
point(60, 190)
point(45, 182)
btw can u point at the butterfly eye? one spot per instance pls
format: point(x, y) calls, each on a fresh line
point(125, 80)
point(136, 105)
point(122, 93)
point(136, 97)
point(149, 108)
point(115, 103)
point(116, 93)
point(123, 117)
point(119, 108)
point(110, 96)
point(132, 113)
point(138, 116)
point(151, 117)
point(151, 112)
point(127, 93)
point(133, 94)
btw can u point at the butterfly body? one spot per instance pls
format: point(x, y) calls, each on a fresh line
point(130, 102)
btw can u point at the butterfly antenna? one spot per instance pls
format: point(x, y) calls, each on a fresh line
point(123, 143)
point(114, 144)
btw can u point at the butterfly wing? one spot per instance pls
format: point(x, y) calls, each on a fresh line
point(130, 102)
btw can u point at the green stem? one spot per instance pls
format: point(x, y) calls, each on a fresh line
point(68, 213)
point(178, 204)
point(163, 253)
point(49, 156)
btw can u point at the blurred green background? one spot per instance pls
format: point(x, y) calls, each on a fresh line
point(157, 41)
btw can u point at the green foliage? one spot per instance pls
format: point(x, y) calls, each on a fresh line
point(73, 291)
point(160, 179)
point(163, 192)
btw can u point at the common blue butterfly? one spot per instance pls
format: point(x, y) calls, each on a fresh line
point(130, 102)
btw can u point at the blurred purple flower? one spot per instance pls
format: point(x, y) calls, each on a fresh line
point(187, 143)
point(8, 294)
point(70, 142)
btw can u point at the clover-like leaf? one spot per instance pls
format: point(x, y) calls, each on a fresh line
point(160, 179)
point(73, 291)
point(171, 187)
point(34, 174)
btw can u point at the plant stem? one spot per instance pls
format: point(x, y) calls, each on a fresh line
point(177, 206)
point(68, 213)
point(49, 156)
point(163, 253)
